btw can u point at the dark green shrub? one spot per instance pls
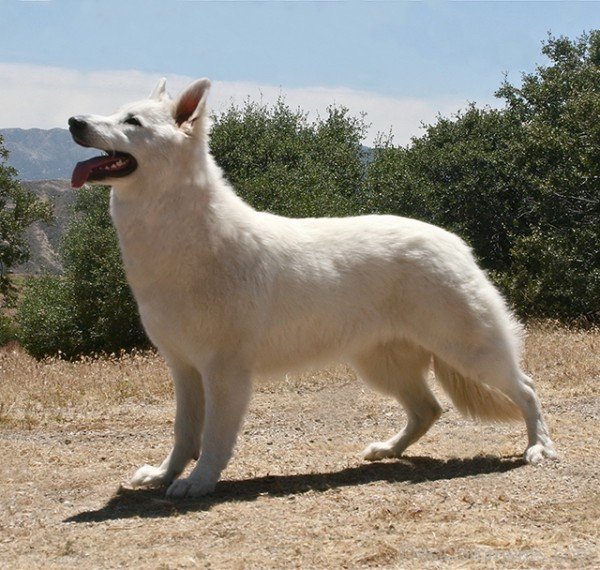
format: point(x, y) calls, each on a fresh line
point(554, 276)
point(47, 319)
point(90, 309)
point(8, 329)
point(281, 162)
point(521, 184)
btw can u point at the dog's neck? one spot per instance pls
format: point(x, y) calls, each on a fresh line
point(196, 191)
point(155, 217)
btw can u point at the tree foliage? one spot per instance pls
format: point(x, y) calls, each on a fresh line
point(280, 161)
point(520, 184)
point(18, 209)
point(556, 262)
point(89, 309)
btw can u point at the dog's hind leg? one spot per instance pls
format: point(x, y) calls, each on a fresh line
point(491, 386)
point(521, 391)
point(189, 419)
point(400, 369)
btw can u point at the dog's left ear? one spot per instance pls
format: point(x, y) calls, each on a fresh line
point(191, 102)
point(160, 91)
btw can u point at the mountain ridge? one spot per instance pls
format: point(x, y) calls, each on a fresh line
point(42, 154)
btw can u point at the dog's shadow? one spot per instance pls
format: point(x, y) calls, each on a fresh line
point(128, 503)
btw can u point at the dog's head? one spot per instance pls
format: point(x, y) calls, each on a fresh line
point(141, 135)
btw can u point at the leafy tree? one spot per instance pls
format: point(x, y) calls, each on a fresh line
point(558, 146)
point(281, 162)
point(18, 209)
point(557, 150)
point(520, 184)
point(90, 309)
point(47, 318)
point(555, 274)
point(457, 175)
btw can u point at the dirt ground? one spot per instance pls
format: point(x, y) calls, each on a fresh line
point(296, 494)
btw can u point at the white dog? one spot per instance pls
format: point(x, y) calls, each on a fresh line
point(225, 292)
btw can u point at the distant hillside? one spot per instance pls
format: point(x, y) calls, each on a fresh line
point(44, 239)
point(40, 154)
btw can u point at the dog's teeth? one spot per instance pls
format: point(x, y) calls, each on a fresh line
point(115, 165)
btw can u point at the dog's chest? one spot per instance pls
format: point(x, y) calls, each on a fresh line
point(152, 244)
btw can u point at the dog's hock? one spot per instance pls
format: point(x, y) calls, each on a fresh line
point(191, 102)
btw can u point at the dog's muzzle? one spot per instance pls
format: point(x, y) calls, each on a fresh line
point(113, 164)
point(78, 127)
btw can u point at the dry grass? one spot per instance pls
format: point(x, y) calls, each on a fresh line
point(296, 494)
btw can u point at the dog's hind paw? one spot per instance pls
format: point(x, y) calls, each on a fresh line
point(148, 476)
point(535, 454)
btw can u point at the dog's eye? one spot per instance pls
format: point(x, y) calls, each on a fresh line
point(131, 120)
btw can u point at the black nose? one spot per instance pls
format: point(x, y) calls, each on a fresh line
point(77, 124)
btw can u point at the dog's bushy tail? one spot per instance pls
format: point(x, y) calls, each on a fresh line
point(474, 399)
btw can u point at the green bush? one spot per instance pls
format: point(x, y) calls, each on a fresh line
point(19, 208)
point(554, 276)
point(103, 303)
point(280, 161)
point(521, 184)
point(90, 309)
point(47, 319)
point(8, 329)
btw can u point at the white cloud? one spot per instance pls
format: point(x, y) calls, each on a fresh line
point(44, 97)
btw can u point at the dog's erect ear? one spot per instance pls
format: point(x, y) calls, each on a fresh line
point(191, 102)
point(160, 91)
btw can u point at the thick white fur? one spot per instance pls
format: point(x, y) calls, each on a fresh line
point(226, 292)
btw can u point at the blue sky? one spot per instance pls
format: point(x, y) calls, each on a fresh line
point(401, 62)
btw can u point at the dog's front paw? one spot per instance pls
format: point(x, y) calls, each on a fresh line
point(378, 450)
point(190, 488)
point(148, 476)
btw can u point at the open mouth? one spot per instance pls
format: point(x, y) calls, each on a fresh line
point(112, 165)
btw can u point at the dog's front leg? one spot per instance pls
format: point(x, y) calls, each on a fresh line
point(227, 391)
point(189, 418)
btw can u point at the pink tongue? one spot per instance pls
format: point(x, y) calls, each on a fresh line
point(82, 170)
